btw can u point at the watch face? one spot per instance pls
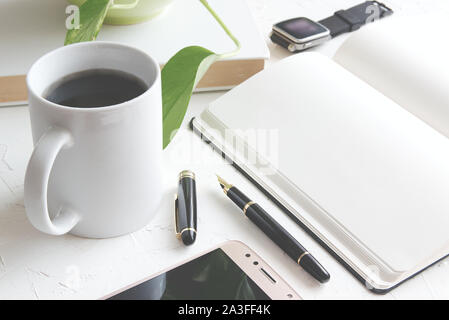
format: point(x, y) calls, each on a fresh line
point(300, 29)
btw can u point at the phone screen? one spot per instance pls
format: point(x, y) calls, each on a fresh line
point(213, 276)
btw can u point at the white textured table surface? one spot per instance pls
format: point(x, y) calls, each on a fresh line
point(37, 266)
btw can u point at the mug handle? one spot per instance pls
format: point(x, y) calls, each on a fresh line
point(124, 6)
point(36, 184)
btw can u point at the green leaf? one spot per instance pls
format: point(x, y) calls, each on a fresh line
point(180, 76)
point(92, 14)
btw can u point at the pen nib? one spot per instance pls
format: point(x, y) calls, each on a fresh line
point(226, 186)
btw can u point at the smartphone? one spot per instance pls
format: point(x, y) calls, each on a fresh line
point(230, 272)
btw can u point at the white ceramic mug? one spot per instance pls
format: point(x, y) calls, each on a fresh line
point(94, 172)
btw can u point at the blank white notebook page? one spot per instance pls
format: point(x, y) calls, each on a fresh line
point(380, 172)
point(412, 66)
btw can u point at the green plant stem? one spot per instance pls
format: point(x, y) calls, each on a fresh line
point(228, 32)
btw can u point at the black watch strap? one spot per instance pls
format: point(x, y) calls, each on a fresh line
point(344, 21)
point(279, 40)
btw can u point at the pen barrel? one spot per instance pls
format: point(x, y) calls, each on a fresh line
point(286, 242)
point(238, 197)
point(275, 232)
point(187, 208)
point(278, 234)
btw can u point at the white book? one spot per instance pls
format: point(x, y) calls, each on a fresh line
point(361, 159)
point(32, 28)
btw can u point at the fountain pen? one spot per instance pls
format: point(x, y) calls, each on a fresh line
point(275, 232)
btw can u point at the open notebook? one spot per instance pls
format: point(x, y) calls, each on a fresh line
point(360, 145)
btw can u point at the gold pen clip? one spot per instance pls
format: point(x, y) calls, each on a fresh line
point(177, 232)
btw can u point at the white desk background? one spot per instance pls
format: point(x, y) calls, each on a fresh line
point(37, 266)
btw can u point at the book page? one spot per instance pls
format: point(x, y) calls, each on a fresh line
point(379, 173)
point(407, 59)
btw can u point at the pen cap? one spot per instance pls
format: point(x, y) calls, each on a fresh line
point(186, 208)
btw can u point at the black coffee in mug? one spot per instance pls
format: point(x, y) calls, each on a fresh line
point(95, 88)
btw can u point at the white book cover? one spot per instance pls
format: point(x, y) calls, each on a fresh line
point(32, 28)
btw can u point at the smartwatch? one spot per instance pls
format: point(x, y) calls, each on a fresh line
point(299, 34)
